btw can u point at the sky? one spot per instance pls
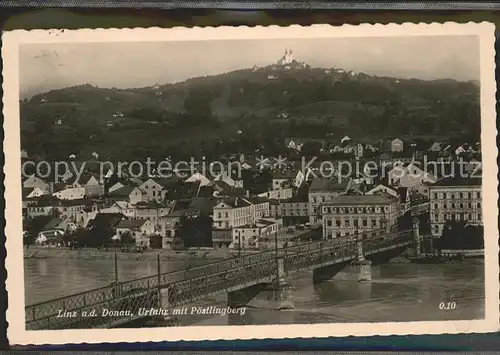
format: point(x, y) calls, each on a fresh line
point(45, 67)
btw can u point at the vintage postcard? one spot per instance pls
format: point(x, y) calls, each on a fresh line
point(246, 183)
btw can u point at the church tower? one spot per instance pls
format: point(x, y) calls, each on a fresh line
point(288, 56)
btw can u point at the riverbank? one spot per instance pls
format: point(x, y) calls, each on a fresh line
point(94, 254)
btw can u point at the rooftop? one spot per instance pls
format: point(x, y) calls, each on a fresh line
point(131, 223)
point(106, 219)
point(235, 202)
point(322, 184)
point(122, 191)
point(361, 200)
point(458, 181)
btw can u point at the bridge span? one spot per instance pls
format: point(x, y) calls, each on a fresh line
point(241, 278)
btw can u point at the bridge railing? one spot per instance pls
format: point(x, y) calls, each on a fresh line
point(186, 291)
point(81, 300)
point(343, 251)
point(76, 301)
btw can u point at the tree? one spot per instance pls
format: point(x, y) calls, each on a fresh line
point(195, 231)
point(77, 238)
point(127, 238)
point(33, 227)
point(457, 235)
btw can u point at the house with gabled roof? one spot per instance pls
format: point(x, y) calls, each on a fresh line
point(137, 195)
point(50, 238)
point(115, 187)
point(409, 175)
point(226, 178)
point(382, 189)
point(396, 145)
point(105, 220)
point(29, 193)
point(70, 193)
point(121, 193)
point(151, 190)
point(122, 207)
point(93, 187)
point(435, 147)
point(199, 177)
point(34, 181)
point(140, 229)
point(63, 224)
point(152, 210)
point(345, 139)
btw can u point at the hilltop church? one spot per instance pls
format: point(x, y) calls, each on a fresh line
point(287, 58)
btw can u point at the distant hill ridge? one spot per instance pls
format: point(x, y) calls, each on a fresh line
point(288, 94)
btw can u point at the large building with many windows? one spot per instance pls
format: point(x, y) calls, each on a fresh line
point(350, 214)
point(455, 199)
point(321, 191)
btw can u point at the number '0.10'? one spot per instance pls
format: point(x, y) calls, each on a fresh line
point(447, 306)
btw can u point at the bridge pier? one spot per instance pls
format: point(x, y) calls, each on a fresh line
point(164, 296)
point(277, 294)
point(362, 267)
point(363, 270)
point(283, 291)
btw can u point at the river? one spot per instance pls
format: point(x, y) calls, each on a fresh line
point(397, 292)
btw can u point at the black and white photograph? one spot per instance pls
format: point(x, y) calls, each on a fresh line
point(183, 184)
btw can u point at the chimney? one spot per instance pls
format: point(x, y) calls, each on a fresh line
point(247, 193)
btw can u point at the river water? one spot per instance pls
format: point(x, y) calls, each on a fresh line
point(397, 292)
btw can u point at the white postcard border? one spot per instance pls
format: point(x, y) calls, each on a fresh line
point(14, 261)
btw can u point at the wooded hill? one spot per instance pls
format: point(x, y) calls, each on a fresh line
point(244, 110)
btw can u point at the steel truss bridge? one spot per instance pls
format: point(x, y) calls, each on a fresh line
point(178, 288)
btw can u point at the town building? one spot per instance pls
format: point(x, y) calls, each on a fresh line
point(419, 203)
point(396, 145)
point(278, 194)
point(34, 181)
point(410, 176)
point(280, 179)
point(359, 150)
point(347, 215)
point(150, 190)
point(94, 188)
point(123, 207)
point(455, 199)
point(249, 236)
point(435, 147)
point(48, 205)
point(70, 193)
point(139, 229)
point(151, 210)
point(136, 195)
point(295, 210)
point(238, 211)
point(345, 140)
point(322, 190)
